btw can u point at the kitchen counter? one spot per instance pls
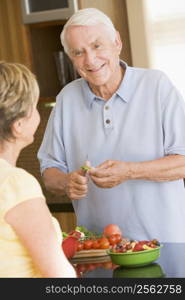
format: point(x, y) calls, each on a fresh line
point(171, 263)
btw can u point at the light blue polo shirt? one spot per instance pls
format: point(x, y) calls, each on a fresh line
point(144, 120)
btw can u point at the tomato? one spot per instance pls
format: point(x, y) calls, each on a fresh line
point(80, 246)
point(113, 239)
point(118, 238)
point(102, 240)
point(88, 244)
point(96, 244)
point(138, 247)
point(104, 243)
point(111, 229)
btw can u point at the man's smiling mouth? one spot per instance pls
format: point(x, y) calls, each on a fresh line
point(94, 70)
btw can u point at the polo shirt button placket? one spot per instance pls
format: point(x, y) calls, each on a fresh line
point(107, 117)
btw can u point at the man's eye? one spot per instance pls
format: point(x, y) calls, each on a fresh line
point(77, 53)
point(97, 46)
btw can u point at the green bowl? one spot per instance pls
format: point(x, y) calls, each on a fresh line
point(135, 259)
point(153, 270)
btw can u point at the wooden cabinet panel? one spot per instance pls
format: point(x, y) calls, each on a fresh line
point(14, 36)
point(67, 220)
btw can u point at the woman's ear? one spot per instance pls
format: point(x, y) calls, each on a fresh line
point(17, 127)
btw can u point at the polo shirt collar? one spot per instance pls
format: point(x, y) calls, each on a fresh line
point(122, 91)
point(89, 95)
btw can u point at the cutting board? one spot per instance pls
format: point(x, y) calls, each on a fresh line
point(91, 253)
point(86, 260)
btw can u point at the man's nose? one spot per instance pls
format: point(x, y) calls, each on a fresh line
point(90, 57)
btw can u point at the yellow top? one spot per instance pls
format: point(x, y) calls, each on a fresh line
point(16, 186)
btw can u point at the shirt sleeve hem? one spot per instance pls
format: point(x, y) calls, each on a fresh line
point(63, 169)
point(171, 151)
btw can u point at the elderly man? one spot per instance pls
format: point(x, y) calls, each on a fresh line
point(130, 122)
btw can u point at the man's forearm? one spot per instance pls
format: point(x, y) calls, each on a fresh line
point(55, 181)
point(168, 168)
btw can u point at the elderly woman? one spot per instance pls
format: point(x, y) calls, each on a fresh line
point(30, 238)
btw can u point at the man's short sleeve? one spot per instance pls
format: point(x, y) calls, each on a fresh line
point(174, 123)
point(51, 153)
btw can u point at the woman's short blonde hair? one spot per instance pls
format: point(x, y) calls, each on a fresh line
point(18, 93)
point(87, 17)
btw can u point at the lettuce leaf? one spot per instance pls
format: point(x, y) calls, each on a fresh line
point(86, 232)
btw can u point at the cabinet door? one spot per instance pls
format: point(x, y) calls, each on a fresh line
point(66, 220)
point(14, 37)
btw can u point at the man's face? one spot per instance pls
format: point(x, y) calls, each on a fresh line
point(94, 53)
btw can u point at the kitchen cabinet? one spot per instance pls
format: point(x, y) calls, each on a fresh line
point(67, 220)
point(14, 36)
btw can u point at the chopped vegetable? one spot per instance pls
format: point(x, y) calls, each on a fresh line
point(85, 168)
point(135, 246)
point(87, 233)
point(64, 234)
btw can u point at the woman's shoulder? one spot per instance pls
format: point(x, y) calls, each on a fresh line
point(24, 183)
point(12, 173)
point(17, 187)
point(21, 174)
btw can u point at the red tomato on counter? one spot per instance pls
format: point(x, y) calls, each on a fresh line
point(80, 246)
point(88, 244)
point(96, 244)
point(111, 229)
point(104, 243)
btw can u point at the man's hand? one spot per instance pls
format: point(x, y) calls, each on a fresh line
point(110, 173)
point(76, 185)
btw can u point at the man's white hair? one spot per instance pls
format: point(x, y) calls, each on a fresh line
point(87, 17)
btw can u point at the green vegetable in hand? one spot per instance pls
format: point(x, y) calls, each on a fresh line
point(85, 168)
